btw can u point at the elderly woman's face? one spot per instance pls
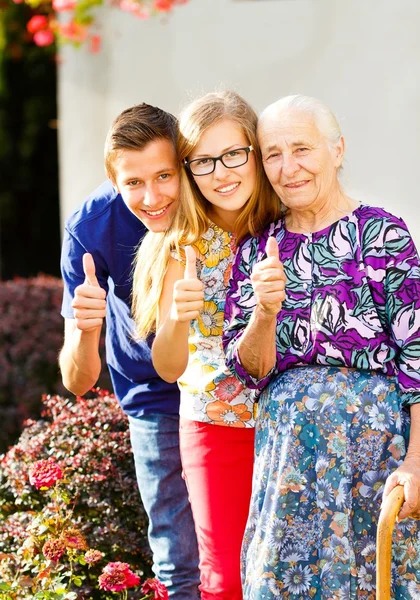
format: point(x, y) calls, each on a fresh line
point(300, 164)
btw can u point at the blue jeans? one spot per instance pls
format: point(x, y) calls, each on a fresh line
point(171, 533)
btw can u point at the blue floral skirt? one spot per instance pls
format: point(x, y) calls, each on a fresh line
point(326, 440)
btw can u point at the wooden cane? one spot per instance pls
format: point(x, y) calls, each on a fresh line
point(389, 511)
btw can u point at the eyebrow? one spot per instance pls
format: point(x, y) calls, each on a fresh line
point(223, 151)
point(294, 145)
point(160, 172)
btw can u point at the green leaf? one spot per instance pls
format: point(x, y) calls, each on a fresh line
point(394, 279)
point(77, 581)
point(371, 232)
point(411, 351)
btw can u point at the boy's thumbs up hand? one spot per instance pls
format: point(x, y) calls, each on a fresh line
point(89, 270)
point(89, 302)
point(188, 294)
point(269, 281)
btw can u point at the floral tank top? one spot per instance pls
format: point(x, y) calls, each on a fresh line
point(210, 393)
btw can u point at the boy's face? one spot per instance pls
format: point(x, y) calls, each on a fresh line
point(148, 181)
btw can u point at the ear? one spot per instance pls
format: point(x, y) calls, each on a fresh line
point(112, 180)
point(338, 152)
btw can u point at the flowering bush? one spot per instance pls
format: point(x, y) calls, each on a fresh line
point(31, 335)
point(76, 23)
point(69, 498)
point(50, 563)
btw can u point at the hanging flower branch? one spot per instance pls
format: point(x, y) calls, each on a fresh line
point(76, 24)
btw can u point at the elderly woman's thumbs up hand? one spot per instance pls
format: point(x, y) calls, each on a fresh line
point(269, 281)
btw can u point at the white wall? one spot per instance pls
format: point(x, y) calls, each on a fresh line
point(360, 57)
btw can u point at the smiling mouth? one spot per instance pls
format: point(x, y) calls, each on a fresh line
point(156, 213)
point(227, 188)
point(296, 184)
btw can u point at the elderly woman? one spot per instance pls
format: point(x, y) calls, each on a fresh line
point(323, 315)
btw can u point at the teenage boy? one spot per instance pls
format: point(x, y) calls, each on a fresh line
point(100, 241)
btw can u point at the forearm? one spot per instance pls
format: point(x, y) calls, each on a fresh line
point(413, 451)
point(257, 346)
point(79, 361)
point(170, 349)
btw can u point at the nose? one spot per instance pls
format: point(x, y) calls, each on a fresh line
point(290, 165)
point(151, 197)
point(220, 171)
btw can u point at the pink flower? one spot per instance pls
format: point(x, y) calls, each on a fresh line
point(228, 389)
point(53, 549)
point(45, 473)
point(63, 5)
point(36, 23)
point(135, 8)
point(45, 37)
point(93, 556)
point(117, 576)
point(154, 585)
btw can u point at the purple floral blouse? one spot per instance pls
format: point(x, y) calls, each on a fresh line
point(352, 299)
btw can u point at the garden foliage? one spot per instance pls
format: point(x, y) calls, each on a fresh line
point(87, 443)
point(73, 21)
point(31, 335)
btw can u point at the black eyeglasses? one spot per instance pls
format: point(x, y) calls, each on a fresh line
point(205, 166)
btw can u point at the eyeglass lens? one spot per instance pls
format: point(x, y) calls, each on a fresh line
point(231, 159)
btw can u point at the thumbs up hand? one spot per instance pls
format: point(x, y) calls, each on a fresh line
point(89, 303)
point(269, 281)
point(188, 294)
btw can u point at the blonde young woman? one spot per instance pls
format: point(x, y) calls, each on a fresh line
point(179, 293)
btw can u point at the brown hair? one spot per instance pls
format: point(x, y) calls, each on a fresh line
point(136, 127)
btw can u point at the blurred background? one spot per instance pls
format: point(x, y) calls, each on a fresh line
point(57, 102)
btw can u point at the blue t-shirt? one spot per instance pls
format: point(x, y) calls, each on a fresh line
point(106, 228)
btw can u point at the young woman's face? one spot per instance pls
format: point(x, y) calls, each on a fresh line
point(227, 189)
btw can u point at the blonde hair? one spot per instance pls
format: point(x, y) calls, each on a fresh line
point(191, 220)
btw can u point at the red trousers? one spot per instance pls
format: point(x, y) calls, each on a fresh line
point(217, 463)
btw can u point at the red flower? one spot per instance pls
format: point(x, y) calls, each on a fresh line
point(73, 538)
point(36, 23)
point(228, 389)
point(45, 473)
point(73, 32)
point(95, 44)
point(163, 5)
point(154, 585)
point(117, 576)
point(53, 549)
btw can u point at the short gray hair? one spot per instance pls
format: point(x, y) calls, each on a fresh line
point(321, 113)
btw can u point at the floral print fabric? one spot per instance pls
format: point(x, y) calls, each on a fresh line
point(332, 421)
point(326, 440)
point(352, 298)
point(210, 393)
